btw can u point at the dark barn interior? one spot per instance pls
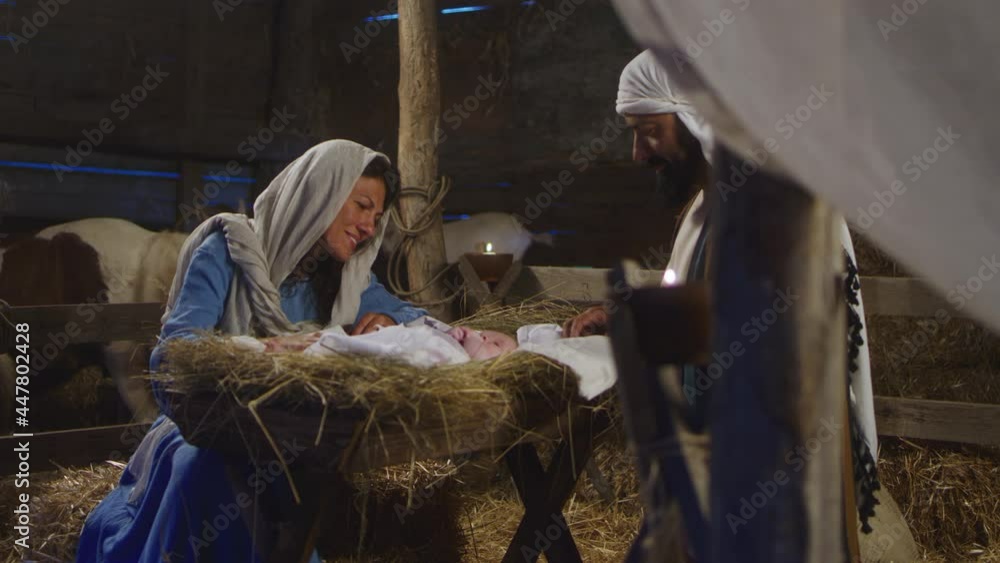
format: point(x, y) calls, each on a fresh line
point(527, 101)
point(165, 113)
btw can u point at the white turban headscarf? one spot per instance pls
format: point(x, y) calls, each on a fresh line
point(644, 89)
point(290, 216)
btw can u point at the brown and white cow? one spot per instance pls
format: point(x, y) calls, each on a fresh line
point(35, 271)
point(91, 260)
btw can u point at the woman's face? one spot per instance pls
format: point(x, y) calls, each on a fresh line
point(357, 219)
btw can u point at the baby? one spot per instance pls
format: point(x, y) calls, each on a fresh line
point(482, 344)
point(425, 340)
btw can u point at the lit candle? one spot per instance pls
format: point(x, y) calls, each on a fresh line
point(669, 277)
point(489, 248)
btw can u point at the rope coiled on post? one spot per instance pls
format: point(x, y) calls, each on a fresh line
point(424, 221)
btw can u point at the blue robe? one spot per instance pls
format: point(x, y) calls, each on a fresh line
point(175, 502)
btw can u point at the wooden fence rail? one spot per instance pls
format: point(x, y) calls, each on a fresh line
point(76, 324)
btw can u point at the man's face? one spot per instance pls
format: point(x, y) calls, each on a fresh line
point(656, 140)
point(665, 144)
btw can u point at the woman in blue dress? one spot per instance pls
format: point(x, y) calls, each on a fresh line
point(303, 262)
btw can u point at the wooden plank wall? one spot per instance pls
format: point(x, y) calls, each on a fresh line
point(67, 77)
point(547, 120)
point(37, 198)
point(557, 83)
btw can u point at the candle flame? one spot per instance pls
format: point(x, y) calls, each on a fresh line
point(669, 277)
point(489, 247)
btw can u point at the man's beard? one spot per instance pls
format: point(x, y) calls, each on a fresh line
point(678, 181)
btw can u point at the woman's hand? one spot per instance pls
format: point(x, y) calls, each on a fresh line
point(371, 322)
point(290, 343)
point(592, 321)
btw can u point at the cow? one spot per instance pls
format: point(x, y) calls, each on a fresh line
point(137, 265)
point(115, 261)
point(33, 271)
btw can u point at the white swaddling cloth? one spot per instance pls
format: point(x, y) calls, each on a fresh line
point(425, 343)
point(419, 345)
point(589, 357)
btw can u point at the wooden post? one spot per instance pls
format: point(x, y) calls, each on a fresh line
point(777, 401)
point(419, 109)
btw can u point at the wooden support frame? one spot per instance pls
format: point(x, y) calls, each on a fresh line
point(478, 293)
point(70, 448)
point(544, 491)
point(83, 323)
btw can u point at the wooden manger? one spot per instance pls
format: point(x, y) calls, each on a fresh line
point(343, 414)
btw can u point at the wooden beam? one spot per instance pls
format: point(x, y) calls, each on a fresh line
point(419, 111)
point(507, 281)
point(477, 293)
point(84, 323)
point(577, 285)
point(68, 448)
point(902, 297)
point(967, 423)
point(898, 297)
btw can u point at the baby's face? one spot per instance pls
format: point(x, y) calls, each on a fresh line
point(482, 344)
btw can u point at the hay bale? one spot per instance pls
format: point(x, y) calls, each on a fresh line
point(507, 319)
point(60, 502)
point(922, 359)
point(872, 261)
point(949, 496)
point(87, 398)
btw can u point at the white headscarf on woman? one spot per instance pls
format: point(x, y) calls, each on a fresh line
point(290, 216)
point(644, 89)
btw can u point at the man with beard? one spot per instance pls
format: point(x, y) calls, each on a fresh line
point(670, 137)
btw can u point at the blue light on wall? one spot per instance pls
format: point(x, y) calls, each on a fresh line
point(461, 217)
point(465, 9)
point(229, 179)
point(446, 11)
point(91, 169)
point(120, 172)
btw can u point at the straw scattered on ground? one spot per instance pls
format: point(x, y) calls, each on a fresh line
point(872, 260)
point(950, 496)
point(60, 502)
